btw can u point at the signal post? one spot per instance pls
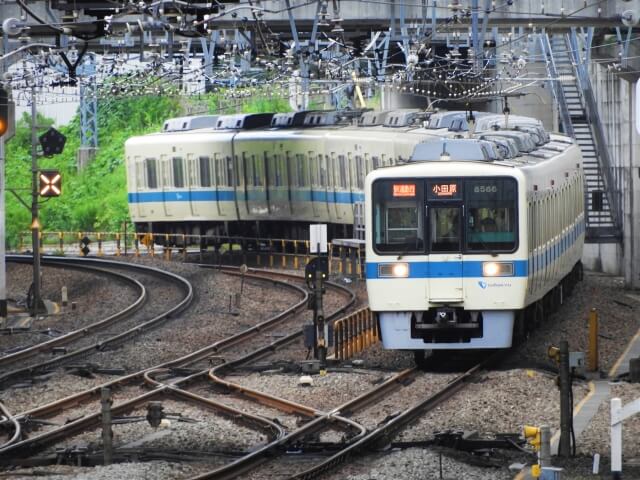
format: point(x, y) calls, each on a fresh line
point(316, 272)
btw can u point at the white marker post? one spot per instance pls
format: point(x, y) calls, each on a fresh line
point(318, 238)
point(638, 106)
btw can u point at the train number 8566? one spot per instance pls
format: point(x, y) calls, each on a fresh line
point(485, 189)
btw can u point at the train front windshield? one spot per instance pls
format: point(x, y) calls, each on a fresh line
point(471, 215)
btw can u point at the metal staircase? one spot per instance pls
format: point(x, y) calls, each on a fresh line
point(580, 119)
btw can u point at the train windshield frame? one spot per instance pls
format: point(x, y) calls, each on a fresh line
point(472, 215)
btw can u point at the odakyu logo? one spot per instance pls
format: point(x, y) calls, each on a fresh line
point(482, 284)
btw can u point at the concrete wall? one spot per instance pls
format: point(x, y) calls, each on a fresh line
point(615, 94)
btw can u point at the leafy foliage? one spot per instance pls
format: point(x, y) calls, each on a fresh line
point(95, 198)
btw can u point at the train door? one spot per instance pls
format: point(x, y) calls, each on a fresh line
point(444, 214)
point(238, 186)
point(219, 181)
point(255, 190)
point(292, 184)
point(193, 183)
point(136, 188)
point(165, 184)
point(302, 195)
point(313, 181)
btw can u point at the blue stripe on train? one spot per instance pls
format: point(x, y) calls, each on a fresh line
point(473, 268)
point(454, 269)
point(230, 196)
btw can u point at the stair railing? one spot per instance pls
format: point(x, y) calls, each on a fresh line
point(556, 86)
point(612, 188)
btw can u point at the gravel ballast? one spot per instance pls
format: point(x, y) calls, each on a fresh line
point(522, 392)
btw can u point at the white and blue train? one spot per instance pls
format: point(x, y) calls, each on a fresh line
point(260, 174)
point(465, 250)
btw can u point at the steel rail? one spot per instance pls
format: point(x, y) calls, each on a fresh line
point(247, 463)
point(47, 346)
point(16, 426)
point(116, 339)
point(92, 421)
point(400, 421)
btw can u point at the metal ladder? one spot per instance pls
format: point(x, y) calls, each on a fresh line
point(603, 221)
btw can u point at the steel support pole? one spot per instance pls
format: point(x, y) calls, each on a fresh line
point(107, 434)
point(3, 269)
point(35, 224)
point(564, 449)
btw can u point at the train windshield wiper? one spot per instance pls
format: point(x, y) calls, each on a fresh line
point(412, 244)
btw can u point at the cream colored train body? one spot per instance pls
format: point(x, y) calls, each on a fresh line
point(465, 251)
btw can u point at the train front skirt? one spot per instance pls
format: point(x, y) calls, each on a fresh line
point(403, 330)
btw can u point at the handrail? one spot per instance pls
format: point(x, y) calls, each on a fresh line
point(556, 87)
point(593, 119)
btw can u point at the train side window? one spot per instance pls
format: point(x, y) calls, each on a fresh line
point(360, 172)
point(219, 167)
point(247, 166)
point(301, 167)
point(258, 169)
point(277, 159)
point(140, 172)
point(240, 171)
point(205, 171)
point(229, 171)
point(152, 174)
point(292, 171)
point(376, 162)
point(313, 167)
point(343, 171)
point(178, 172)
point(323, 170)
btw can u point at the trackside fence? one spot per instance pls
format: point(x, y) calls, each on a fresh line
point(262, 252)
point(354, 333)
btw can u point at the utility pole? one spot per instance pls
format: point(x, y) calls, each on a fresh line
point(3, 270)
point(35, 223)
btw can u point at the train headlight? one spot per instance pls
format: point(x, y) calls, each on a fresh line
point(393, 270)
point(497, 269)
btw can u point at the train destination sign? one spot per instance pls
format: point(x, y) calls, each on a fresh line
point(404, 189)
point(444, 190)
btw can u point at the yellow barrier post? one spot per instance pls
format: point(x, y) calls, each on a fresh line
point(184, 246)
point(306, 254)
point(271, 253)
point(284, 255)
point(99, 244)
point(61, 242)
point(295, 254)
point(136, 245)
point(593, 340)
point(151, 244)
point(167, 248)
point(358, 264)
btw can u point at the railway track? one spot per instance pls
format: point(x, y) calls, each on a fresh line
point(101, 267)
point(25, 448)
point(361, 438)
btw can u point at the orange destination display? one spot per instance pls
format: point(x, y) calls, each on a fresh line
point(404, 189)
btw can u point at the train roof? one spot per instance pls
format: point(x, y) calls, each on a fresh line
point(181, 124)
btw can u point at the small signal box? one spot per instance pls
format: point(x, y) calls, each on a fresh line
point(533, 436)
point(4, 112)
point(50, 183)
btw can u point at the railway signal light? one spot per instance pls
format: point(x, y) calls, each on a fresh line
point(533, 436)
point(4, 111)
point(52, 142)
point(50, 183)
